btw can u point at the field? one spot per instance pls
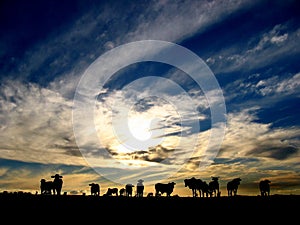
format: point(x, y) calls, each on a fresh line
point(276, 207)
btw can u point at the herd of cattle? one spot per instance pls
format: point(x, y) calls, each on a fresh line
point(199, 188)
point(213, 189)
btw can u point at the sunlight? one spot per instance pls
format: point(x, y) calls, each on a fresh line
point(139, 131)
point(140, 128)
point(137, 138)
point(122, 149)
point(142, 133)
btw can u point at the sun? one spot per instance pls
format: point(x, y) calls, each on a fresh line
point(139, 134)
point(140, 128)
point(127, 129)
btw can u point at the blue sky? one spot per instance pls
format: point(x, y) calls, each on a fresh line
point(149, 120)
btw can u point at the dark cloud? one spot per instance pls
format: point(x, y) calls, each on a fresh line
point(70, 150)
point(157, 154)
point(275, 152)
point(145, 103)
point(240, 160)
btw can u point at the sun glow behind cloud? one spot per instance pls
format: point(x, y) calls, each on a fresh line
point(139, 130)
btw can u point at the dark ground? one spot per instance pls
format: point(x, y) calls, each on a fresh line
point(240, 209)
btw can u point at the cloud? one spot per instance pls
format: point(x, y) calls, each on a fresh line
point(47, 128)
point(279, 86)
point(255, 90)
point(76, 44)
point(247, 138)
point(258, 51)
point(182, 19)
point(248, 146)
point(36, 125)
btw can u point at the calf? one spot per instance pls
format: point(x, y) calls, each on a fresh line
point(111, 191)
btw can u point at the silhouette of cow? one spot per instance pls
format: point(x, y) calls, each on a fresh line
point(213, 187)
point(264, 187)
point(111, 191)
point(191, 183)
point(57, 184)
point(46, 187)
point(232, 186)
point(128, 190)
point(122, 191)
point(140, 188)
point(161, 188)
point(95, 189)
point(197, 185)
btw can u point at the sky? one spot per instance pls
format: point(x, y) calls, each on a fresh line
point(111, 92)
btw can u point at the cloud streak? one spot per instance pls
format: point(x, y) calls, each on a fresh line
point(258, 52)
point(36, 125)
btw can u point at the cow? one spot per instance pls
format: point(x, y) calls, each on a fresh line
point(140, 188)
point(161, 188)
point(122, 191)
point(57, 183)
point(95, 189)
point(264, 187)
point(213, 187)
point(197, 185)
point(204, 187)
point(111, 191)
point(232, 186)
point(128, 190)
point(191, 183)
point(46, 187)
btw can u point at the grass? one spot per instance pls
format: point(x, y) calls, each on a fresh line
point(274, 207)
point(31, 200)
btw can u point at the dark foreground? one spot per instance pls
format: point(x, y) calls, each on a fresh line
point(281, 207)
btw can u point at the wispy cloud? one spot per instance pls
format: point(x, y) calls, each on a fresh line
point(279, 86)
point(257, 139)
point(177, 20)
point(36, 125)
point(258, 51)
point(255, 90)
point(74, 46)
